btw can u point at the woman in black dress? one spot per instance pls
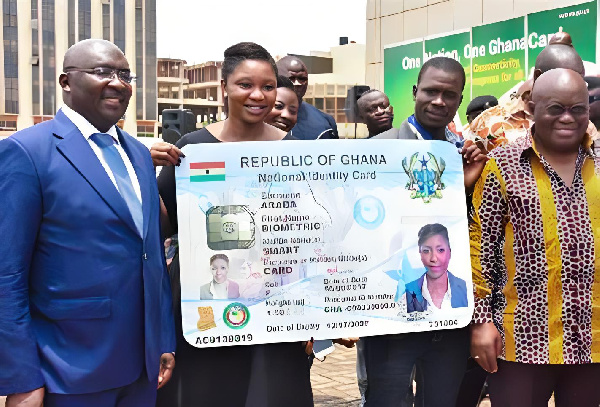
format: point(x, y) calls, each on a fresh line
point(246, 376)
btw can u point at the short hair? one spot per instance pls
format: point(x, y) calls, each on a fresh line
point(593, 82)
point(432, 229)
point(243, 51)
point(360, 103)
point(445, 64)
point(284, 82)
point(219, 256)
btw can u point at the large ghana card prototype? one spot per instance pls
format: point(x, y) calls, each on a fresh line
point(284, 241)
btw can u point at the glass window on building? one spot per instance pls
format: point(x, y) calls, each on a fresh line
point(330, 106)
point(330, 90)
point(119, 23)
point(84, 19)
point(340, 116)
point(106, 22)
point(139, 58)
point(145, 131)
point(11, 56)
point(319, 89)
point(8, 125)
point(150, 60)
point(49, 59)
point(70, 21)
point(319, 103)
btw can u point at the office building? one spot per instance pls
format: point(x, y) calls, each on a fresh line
point(37, 33)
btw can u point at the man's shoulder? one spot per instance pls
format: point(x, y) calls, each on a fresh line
point(313, 123)
point(311, 110)
point(37, 138)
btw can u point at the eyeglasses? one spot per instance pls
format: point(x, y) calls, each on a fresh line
point(594, 99)
point(559, 110)
point(105, 73)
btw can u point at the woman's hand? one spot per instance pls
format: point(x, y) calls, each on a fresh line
point(165, 154)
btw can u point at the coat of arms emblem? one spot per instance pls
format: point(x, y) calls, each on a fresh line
point(424, 176)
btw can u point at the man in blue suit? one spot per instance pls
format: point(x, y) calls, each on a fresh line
point(85, 302)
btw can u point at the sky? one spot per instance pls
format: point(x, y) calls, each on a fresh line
point(200, 30)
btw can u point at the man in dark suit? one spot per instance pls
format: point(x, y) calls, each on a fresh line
point(85, 304)
point(312, 123)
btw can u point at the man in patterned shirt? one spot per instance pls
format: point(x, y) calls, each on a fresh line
point(535, 233)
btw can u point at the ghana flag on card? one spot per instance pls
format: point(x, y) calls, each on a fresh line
point(203, 172)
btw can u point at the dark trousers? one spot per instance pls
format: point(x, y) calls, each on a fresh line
point(139, 393)
point(472, 385)
point(527, 385)
point(440, 357)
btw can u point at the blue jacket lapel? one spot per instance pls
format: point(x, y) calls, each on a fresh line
point(75, 148)
point(137, 158)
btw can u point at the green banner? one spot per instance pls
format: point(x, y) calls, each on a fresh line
point(498, 57)
point(453, 46)
point(401, 70)
point(579, 21)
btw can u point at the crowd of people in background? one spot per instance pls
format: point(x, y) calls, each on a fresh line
point(86, 311)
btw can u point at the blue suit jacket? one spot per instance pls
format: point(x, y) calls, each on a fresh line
point(85, 302)
point(313, 124)
point(414, 296)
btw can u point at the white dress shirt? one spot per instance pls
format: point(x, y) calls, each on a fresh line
point(87, 129)
point(446, 302)
point(221, 293)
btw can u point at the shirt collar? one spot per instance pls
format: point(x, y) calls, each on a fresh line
point(427, 296)
point(86, 128)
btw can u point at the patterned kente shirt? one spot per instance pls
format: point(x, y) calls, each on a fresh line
point(535, 258)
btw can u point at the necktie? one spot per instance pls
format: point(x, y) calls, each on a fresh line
point(115, 162)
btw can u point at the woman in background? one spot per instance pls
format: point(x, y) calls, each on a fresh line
point(285, 112)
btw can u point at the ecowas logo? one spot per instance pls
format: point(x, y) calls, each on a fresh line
point(236, 315)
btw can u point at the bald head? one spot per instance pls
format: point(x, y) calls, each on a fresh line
point(293, 68)
point(561, 83)
point(560, 106)
point(559, 55)
point(290, 62)
point(79, 54)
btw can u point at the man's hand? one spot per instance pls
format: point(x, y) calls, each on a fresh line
point(347, 342)
point(34, 398)
point(474, 159)
point(167, 364)
point(308, 346)
point(165, 154)
point(486, 345)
